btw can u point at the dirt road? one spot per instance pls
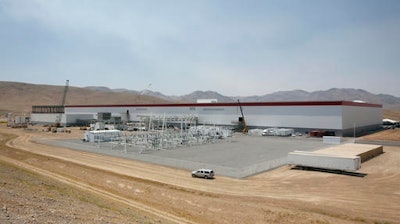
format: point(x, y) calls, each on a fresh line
point(169, 195)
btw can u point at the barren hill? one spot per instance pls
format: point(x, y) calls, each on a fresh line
point(19, 97)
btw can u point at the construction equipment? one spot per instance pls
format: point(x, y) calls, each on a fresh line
point(242, 121)
point(57, 124)
point(65, 93)
point(17, 120)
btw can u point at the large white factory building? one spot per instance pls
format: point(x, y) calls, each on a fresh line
point(342, 117)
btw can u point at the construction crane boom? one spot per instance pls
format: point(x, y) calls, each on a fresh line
point(65, 93)
point(243, 121)
point(58, 119)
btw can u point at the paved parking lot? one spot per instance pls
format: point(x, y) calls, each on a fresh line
point(239, 156)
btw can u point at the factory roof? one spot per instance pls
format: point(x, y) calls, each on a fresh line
point(244, 104)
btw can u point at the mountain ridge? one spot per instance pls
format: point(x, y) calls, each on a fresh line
point(19, 97)
point(333, 94)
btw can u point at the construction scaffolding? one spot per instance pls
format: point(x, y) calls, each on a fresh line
point(162, 122)
point(163, 133)
point(169, 139)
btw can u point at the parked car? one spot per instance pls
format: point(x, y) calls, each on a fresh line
point(203, 173)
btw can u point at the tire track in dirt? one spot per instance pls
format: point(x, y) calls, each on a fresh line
point(105, 194)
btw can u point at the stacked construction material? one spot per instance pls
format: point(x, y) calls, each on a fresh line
point(364, 151)
point(345, 157)
point(324, 161)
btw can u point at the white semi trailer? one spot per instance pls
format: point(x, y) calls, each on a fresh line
point(324, 161)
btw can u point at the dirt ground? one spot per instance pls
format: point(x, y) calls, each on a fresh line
point(46, 184)
point(386, 135)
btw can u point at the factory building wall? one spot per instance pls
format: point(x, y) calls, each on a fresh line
point(51, 118)
point(361, 119)
point(361, 116)
point(219, 115)
point(339, 116)
point(81, 119)
point(312, 117)
point(206, 115)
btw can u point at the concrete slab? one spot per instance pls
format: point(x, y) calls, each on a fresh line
point(365, 151)
point(238, 157)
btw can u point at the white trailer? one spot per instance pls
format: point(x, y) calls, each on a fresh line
point(101, 135)
point(324, 161)
point(278, 132)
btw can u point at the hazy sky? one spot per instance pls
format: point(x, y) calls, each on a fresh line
point(233, 47)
